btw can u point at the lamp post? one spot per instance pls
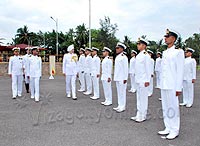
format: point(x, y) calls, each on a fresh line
point(89, 23)
point(56, 21)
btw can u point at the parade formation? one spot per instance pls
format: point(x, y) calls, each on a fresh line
point(174, 70)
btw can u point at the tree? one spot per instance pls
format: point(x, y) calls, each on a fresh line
point(81, 35)
point(194, 42)
point(24, 36)
point(106, 36)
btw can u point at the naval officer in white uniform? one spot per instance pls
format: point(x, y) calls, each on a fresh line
point(106, 76)
point(142, 79)
point(70, 70)
point(26, 61)
point(189, 78)
point(15, 70)
point(158, 69)
point(132, 71)
point(81, 68)
point(172, 68)
point(95, 74)
point(34, 72)
point(121, 76)
point(88, 71)
point(152, 72)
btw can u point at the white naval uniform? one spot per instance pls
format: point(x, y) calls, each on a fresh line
point(26, 62)
point(88, 70)
point(35, 73)
point(132, 74)
point(151, 81)
point(189, 75)
point(94, 72)
point(172, 67)
point(142, 75)
point(15, 69)
point(157, 71)
point(70, 69)
point(107, 73)
point(81, 68)
point(121, 74)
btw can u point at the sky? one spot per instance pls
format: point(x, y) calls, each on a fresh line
point(133, 17)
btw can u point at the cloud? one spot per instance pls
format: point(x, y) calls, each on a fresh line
point(134, 18)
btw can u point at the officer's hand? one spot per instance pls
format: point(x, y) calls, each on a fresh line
point(146, 84)
point(178, 93)
point(193, 80)
point(125, 81)
point(109, 80)
point(28, 77)
point(98, 76)
point(10, 75)
point(64, 74)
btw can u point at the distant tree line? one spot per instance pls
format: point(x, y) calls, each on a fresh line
point(104, 36)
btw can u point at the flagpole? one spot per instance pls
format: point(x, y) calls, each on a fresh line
point(89, 23)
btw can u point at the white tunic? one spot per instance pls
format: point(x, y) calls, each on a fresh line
point(34, 67)
point(158, 64)
point(88, 64)
point(70, 64)
point(132, 66)
point(142, 68)
point(189, 69)
point(81, 63)
point(172, 67)
point(15, 66)
point(26, 62)
point(95, 66)
point(106, 68)
point(121, 68)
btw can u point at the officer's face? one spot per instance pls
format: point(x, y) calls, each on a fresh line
point(16, 52)
point(80, 52)
point(141, 46)
point(105, 53)
point(132, 54)
point(158, 55)
point(188, 54)
point(27, 51)
point(169, 40)
point(35, 52)
point(87, 52)
point(94, 53)
point(119, 50)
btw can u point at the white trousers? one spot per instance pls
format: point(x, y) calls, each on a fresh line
point(121, 94)
point(133, 84)
point(158, 79)
point(71, 84)
point(27, 81)
point(107, 91)
point(170, 107)
point(82, 80)
point(88, 82)
point(17, 81)
point(35, 87)
point(142, 100)
point(95, 82)
point(150, 87)
point(188, 92)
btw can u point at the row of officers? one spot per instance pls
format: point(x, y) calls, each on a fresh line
point(175, 73)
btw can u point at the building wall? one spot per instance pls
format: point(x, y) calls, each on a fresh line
point(45, 68)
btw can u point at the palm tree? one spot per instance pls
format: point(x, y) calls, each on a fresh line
point(24, 35)
point(81, 35)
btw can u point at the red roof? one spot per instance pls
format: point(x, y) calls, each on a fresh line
point(21, 46)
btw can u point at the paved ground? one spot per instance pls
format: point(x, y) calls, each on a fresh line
point(60, 121)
